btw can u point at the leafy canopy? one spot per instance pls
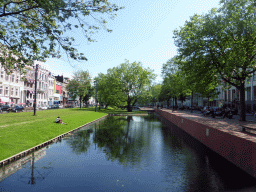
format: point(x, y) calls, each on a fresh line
point(220, 45)
point(122, 85)
point(38, 29)
point(80, 85)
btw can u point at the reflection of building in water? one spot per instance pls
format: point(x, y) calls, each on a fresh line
point(11, 168)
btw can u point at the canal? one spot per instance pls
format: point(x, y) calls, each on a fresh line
point(125, 153)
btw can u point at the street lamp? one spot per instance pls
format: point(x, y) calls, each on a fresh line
point(35, 88)
point(95, 84)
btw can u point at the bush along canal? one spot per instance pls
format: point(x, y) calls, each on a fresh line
point(125, 153)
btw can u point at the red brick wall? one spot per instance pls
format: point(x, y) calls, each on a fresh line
point(237, 150)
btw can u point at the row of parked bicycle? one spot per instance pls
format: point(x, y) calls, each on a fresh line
point(219, 112)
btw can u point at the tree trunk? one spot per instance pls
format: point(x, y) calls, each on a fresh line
point(80, 102)
point(173, 103)
point(242, 103)
point(129, 107)
point(192, 102)
point(168, 103)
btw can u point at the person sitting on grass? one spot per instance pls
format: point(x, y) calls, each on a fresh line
point(58, 120)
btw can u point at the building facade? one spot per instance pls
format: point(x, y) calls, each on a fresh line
point(20, 89)
point(11, 87)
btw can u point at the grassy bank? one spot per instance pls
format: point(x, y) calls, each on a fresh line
point(21, 131)
point(111, 110)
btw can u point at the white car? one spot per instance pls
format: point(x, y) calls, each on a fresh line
point(43, 107)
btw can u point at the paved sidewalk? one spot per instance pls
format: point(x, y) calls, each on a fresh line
point(232, 126)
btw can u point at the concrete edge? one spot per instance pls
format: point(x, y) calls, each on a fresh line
point(142, 114)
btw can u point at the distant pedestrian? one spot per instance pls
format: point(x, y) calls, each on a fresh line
point(58, 120)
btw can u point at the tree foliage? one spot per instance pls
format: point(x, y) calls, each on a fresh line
point(122, 85)
point(38, 29)
point(221, 43)
point(174, 83)
point(80, 85)
point(149, 94)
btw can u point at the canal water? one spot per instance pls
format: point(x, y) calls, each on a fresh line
point(133, 153)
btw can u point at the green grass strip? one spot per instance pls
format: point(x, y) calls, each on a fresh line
point(111, 110)
point(22, 131)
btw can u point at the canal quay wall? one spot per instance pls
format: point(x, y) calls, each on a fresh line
point(42, 145)
point(222, 136)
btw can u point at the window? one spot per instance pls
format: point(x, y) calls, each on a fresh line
point(11, 91)
point(7, 77)
point(2, 74)
point(16, 93)
point(1, 89)
point(17, 79)
point(12, 78)
point(6, 90)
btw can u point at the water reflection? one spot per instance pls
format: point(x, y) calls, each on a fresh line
point(80, 141)
point(28, 172)
point(114, 138)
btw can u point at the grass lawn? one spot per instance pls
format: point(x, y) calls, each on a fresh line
point(21, 131)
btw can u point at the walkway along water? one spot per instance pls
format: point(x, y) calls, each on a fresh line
point(222, 136)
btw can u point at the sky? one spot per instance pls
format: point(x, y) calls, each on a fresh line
point(142, 32)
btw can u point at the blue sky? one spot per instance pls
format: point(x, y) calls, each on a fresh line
point(142, 31)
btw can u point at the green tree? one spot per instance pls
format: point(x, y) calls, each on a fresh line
point(166, 92)
point(222, 43)
point(35, 30)
point(106, 95)
point(123, 84)
point(88, 95)
point(145, 96)
point(174, 84)
point(80, 85)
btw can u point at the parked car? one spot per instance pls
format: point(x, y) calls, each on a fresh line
point(53, 107)
point(5, 108)
point(50, 107)
point(60, 106)
point(43, 107)
point(17, 108)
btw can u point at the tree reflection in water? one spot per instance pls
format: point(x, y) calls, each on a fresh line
point(80, 141)
point(115, 140)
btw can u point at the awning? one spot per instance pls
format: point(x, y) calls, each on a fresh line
point(4, 99)
point(30, 91)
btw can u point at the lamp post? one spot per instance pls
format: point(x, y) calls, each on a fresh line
point(35, 89)
point(95, 84)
